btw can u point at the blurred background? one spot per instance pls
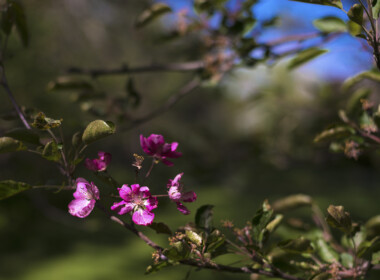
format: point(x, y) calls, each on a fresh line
point(247, 139)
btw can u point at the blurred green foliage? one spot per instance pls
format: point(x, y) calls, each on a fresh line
point(248, 139)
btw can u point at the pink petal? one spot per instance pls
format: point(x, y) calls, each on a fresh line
point(143, 217)
point(94, 191)
point(182, 208)
point(155, 141)
point(151, 203)
point(122, 207)
point(189, 196)
point(90, 164)
point(144, 145)
point(177, 179)
point(135, 188)
point(174, 193)
point(81, 208)
point(125, 192)
point(82, 191)
point(167, 162)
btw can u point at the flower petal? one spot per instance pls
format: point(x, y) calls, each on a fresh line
point(189, 196)
point(145, 146)
point(90, 164)
point(176, 179)
point(143, 217)
point(182, 208)
point(125, 192)
point(82, 191)
point(174, 193)
point(122, 207)
point(151, 203)
point(81, 208)
point(135, 188)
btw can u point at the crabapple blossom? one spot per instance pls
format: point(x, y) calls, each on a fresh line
point(176, 194)
point(98, 164)
point(85, 196)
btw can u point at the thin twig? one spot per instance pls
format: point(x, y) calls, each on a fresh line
point(173, 67)
point(186, 89)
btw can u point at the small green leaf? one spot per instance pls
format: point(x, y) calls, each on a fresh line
point(354, 29)
point(375, 258)
point(271, 227)
point(305, 56)
point(9, 188)
point(368, 247)
point(155, 11)
point(334, 3)
point(157, 267)
point(330, 24)
point(214, 241)
point(373, 226)
point(325, 252)
point(373, 75)
point(160, 228)
point(347, 260)
point(25, 135)
point(97, 130)
point(354, 104)
point(375, 8)
point(321, 276)
point(356, 14)
point(260, 221)
point(51, 151)
point(367, 123)
point(179, 251)
point(42, 122)
point(292, 202)
point(334, 133)
point(194, 237)
point(8, 144)
point(69, 83)
point(297, 246)
point(76, 140)
point(338, 218)
point(204, 217)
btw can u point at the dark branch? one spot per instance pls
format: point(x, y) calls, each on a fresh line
point(174, 67)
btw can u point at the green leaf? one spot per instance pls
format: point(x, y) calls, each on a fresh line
point(97, 130)
point(155, 11)
point(334, 133)
point(214, 241)
point(51, 151)
point(373, 75)
point(325, 252)
point(14, 15)
point(368, 247)
point(204, 217)
point(375, 8)
point(367, 123)
point(194, 237)
point(69, 83)
point(334, 3)
point(210, 5)
point(330, 24)
point(321, 276)
point(25, 135)
point(354, 29)
point(373, 226)
point(9, 188)
point(260, 221)
point(8, 144)
point(179, 251)
point(375, 258)
point(305, 56)
point(347, 260)
point(271, 227)
point(356, 14)
point(338, 218)
point(354, 104)
point(160, 228)
point(292, 202)
point(297, 246)
point(42, 122)
point(76, 140)
point(157, 267)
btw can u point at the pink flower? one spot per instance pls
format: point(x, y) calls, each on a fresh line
point(85, 196)
point(155, 146)
point(177, 195)
point(137, 200)
point(98, 164)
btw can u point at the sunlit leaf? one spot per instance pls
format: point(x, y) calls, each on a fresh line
point(97, 130)
point(373, 75)
point(154, 11)
point(334, 133)
point(9, 188)
point(330, 24)
point(375, 8)
point(51, 151)
point(325, 251)
point(334, 3)
point(42, 122)
point(292, 202)
point(194, 237)
point(8, 144)
point(305, 56)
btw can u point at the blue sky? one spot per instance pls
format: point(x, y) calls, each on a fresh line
point(347, 55)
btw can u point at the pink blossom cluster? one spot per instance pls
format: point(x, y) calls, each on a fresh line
point(136, 200)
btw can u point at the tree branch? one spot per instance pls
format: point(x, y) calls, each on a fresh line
point(173, 67)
